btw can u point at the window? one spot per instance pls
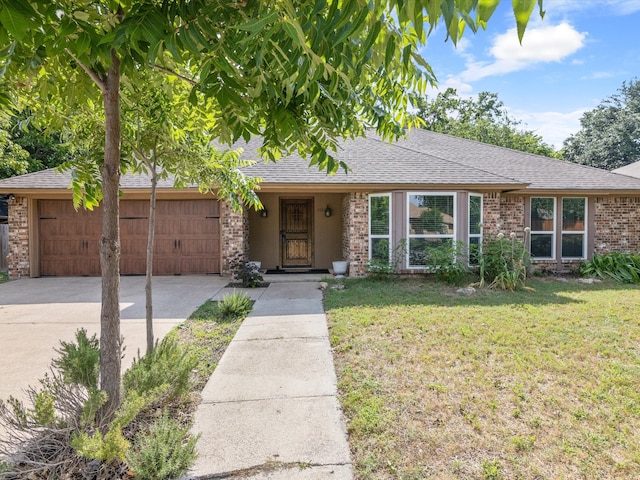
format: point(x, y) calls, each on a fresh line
point(543, 214)
point(475, 227)
point(380, 227)
point(573, 230)
point(431, 223)
point(573, 227)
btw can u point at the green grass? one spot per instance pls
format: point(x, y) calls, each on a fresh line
point(4, 277)
point(540, 383)
point(207, 333)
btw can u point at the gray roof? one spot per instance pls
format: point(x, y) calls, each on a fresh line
point(422, 159)
point(631, 170)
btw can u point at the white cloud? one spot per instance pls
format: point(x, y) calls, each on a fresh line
point(540, 45)
point(553, 127)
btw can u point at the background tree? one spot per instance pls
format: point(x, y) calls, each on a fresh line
point(609, 136)
point(299, 73)
point(484, 119)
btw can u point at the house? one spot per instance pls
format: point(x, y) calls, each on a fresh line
point(422, 190)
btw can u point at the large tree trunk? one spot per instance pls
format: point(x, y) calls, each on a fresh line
point(110, 342)
point(150, 239)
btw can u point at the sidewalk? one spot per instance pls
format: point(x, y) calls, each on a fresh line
point(270, 411)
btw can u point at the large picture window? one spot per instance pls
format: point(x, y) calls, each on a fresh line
point(475, 228)
point(380, 227)
point(573, 227)
point(431, 223)
point(543, 215)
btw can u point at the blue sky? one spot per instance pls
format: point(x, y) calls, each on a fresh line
point(571, 60)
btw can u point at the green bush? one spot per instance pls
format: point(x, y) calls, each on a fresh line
point(379, 267)
point(622, 267)
point(166, 369)
point(504, 262)
point(80, 362)
point(235, 305)
point(247, 272)
point(448, 262)
point(164, 452)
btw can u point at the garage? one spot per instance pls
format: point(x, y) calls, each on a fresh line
point(187, 238)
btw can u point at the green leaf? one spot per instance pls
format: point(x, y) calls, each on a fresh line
point(257, 24)
point(522, 10)
point(485, 11)
point(17, 16)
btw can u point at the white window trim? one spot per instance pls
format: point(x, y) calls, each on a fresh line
point(576, 232)
point(470, 235)
point(545, 232)
point(408, 230)
point(388, 236)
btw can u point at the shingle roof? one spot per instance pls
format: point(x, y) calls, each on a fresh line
point(423, 158)
point(631, 170)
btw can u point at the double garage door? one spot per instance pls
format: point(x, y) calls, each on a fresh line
point(187, 238)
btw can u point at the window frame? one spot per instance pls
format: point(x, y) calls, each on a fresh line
point(552, 232)
point(390, 226)
point(582, 232)
point(411, 236)
point(470, 235)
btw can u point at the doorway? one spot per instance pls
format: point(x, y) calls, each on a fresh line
point(296, 232)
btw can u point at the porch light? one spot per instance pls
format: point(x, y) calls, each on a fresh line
point(264, 213)
point(327, 211)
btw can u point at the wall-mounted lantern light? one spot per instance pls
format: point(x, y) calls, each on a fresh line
point(327, 211)
point(264, 213)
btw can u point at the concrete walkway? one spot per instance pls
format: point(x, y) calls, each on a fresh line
point(270, 409)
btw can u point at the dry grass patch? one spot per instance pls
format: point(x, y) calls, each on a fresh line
point(542, 383)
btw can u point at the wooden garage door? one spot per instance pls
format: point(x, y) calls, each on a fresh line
point(187, 238)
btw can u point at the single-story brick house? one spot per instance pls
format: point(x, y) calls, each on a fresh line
point(419, 191)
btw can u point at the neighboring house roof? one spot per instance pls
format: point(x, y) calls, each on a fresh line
point(631, 170)
point(422, 160)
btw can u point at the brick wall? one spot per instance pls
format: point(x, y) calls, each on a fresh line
point(617, 224)
point(18, 258)
point(234, 232)
point(512, 216)
point(355, 232)
point(491, 224)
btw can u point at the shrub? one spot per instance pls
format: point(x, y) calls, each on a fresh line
point(380, 268)
point(166, 371)
point(504, 262)
point(622, 267)
point(247, 273)
point(164, 452)
point(448, 262)
point(80, 362)
point(235, 305)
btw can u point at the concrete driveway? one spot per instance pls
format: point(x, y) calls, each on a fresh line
point(36, 313)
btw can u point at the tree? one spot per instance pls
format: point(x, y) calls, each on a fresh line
point(165, 135)
point(609, 136)
point(484, 119)
point(14, 160)
point(299, 73)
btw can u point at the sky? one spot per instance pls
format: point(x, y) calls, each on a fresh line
point(579, 54)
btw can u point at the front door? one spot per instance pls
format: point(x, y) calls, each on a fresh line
point(296, 231)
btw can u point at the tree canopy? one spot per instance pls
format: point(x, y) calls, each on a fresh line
point(609, 136)
point(299, 73)
point(484, 119)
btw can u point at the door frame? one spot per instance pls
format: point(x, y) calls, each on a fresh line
point(310, 207)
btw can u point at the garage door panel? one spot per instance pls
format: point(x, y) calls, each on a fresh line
point(187, 237)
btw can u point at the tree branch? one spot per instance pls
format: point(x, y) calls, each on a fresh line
point(93, 75)
point(168, 71)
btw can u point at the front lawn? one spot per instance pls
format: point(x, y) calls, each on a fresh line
point(535, 384)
